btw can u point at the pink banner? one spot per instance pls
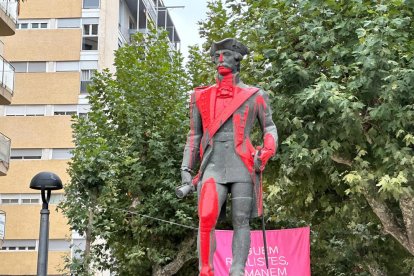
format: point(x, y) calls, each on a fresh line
point(288, 251)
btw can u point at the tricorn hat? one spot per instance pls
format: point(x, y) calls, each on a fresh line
point(229, 44)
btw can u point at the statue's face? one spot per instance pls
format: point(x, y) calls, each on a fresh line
point(226, 62)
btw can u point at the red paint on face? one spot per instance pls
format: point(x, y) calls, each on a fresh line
point(208, 214)
point(224, 71)
point(221, 57)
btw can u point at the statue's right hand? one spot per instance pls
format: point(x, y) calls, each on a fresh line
point(186, 177)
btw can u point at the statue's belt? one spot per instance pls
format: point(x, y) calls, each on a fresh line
point(224, 137)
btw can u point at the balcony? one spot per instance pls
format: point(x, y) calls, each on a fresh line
point(8, 17)
point(143, 13)
point(6, 81)
point(150, 8)
point(4, 154)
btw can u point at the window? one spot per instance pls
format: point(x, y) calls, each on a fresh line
point(35, 110)
point(68, 23)
point(86, 79)
point(61, 153)
point(30, 200)
point(26, 154)
point(65, 66)
point(9, 198)
point(18, 199)
point(9, 201)
point(33, 24)
point(29, 66)
point(64, 109)
point(23, 26)
point(90, 37)
point(15, 110)
point(20, 67)
point(56, 198)
point(25, 110)
point(21, 245)
point(36, 66)
point(91, 4)
point(83, 109)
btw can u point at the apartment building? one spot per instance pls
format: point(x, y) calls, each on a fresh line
point(56, 48)
point(8, 19)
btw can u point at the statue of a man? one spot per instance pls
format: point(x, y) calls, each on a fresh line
point(222, 117)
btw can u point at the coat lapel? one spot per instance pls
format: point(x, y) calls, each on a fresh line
point(242, 95)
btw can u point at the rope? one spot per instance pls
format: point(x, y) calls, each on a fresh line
point(158, 219)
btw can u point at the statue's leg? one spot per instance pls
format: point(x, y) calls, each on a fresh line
point(242, 198)
point(211, 198)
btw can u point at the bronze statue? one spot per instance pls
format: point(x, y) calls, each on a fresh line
point(222, 117)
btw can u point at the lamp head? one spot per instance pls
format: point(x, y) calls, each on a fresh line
point(46, 181)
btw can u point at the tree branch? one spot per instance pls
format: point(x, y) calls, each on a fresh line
point(407, 210)
point(183, 256)
point(387, 220)
point(341, 160)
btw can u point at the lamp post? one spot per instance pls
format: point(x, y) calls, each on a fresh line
point(45, 182)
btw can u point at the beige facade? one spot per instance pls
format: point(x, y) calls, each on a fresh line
point(38, 131)
point(17, 182)
point(52, 45)
point(51, 88)
point(27, 217)
point(51, 9)
point(56, 48)
point(27, 263)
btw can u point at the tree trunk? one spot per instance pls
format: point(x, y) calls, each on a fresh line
point(388, 221)
point(88, 234)
point(184, 255)
point(407, 210)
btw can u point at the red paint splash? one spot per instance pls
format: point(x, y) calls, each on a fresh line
point(208, 214)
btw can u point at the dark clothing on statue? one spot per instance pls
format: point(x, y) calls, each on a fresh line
point(225, 165)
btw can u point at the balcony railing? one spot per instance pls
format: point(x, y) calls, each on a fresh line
point(10, 8)
point(149, 5)
point(4, 154)
point(6, 75)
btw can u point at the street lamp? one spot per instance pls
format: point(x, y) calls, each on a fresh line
point(45, 182)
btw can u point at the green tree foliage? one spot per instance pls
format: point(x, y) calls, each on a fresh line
point(126, 164)
point(340, 75)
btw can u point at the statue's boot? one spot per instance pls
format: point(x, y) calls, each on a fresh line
point(208, 213)
point(241, 237)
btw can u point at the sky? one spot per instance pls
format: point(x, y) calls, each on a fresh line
point(185, 19)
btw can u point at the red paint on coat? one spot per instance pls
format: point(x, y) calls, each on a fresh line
point(208, 214)
point(242, 144)
point(268, 150)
